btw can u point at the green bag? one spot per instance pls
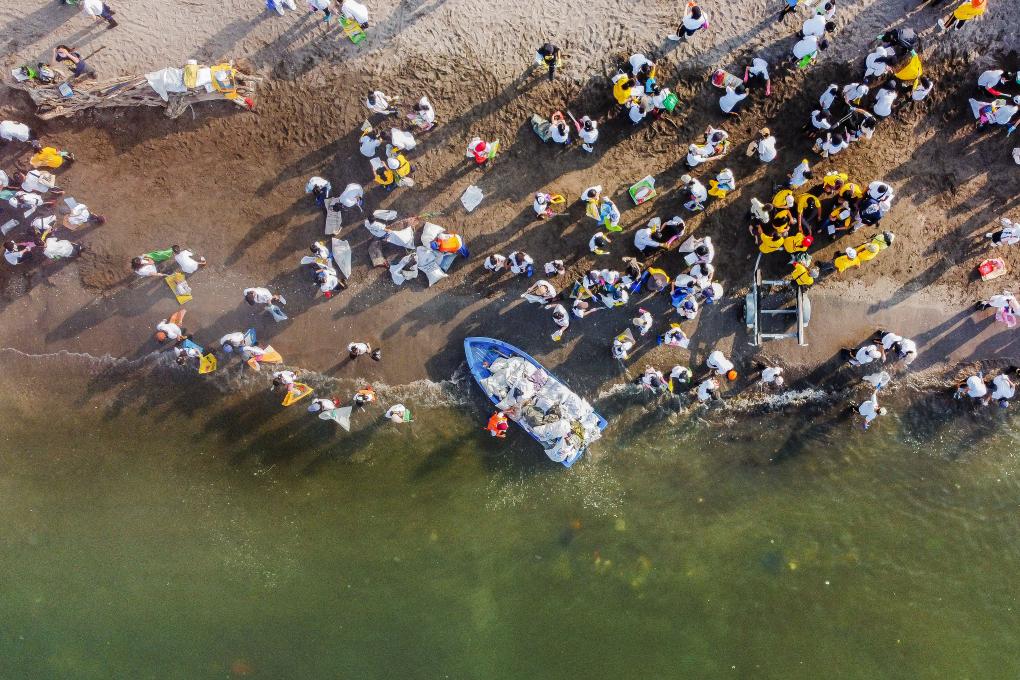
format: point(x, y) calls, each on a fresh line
point(670, 101)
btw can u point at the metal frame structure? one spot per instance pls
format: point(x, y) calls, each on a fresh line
point(753, 309)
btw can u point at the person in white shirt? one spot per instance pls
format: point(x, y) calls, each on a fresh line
point(697, 194)
point(636, 110)
point(817, 26)
point(168, 330)
point(42, 226)
point(379, 103)
point(989, 81)
point(1004, 300)
point(56, 249)
point(700, 153)
point(974, 387)
point(821, 120)
point(643, 321)
point(693, 20)
point(541, 292)
point(327, 281)
point(854, 93)
point(560, 133)
point(187, 261)
point(424, 116)
point(27, 201)
point(398, 413)
point(324, 6)
point(368, 145)
point(922, 89)
point(757, 75)
point(15, 253)
point(884, 101)
point(828, 96)
point(1004, 390)
point(888, 339)
point(730, 102)
point(808, 47)
point(322, 404)
point(645, 238)
point(13, 131)
point(38, 181)
point(906, 351)
point(877, 63)
point(263, 296)
point(871, 410)
point(866, 354)
point(800, 175)
point(708, 389)
point(831, 144)
point(521, 263)
point(143, 265)
point(718, 362)
point(772, 376)
point(765, 146)
point(589, 132)
point(827, 9)
point(622, 346)
point(356, 349)
point(80, 215)
point(495, 263)
point(97, 9)
point(1009, 235)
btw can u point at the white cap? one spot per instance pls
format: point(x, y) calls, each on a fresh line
point(685, 179)
point(851, 253)
point(392, 163)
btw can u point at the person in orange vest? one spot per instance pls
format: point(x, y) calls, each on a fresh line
point(498, 425)
point(365, 395)
point(449, 243)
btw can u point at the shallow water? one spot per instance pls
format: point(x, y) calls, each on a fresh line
point(155, 528)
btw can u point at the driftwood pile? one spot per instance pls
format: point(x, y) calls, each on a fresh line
point(126, 91)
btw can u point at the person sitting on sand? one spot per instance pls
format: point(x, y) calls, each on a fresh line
point(541, 292)
point(559, 131)
point(170, 329)
point(643, 321)
point(554, 268)
point(542, 205)
point(697, 195)
point(379, 103)
point(398, 413)
point(674, 337)
point(495, 263)
point(144, 265)
point(622, 345)
point(521, 263)
point(644, 239)
point(1008, 235)
point(319, 188)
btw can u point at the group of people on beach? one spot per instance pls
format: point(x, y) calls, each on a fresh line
point(36, 211)
point(666, 257)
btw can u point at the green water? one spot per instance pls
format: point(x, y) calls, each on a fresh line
point(161, 533)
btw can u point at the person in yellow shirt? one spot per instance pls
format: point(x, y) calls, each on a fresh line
point(840, 218)
point(869, 250)
point(781, 222)
point(399, 164)
point(768, 244)
point(833, 180)
point(797, 243)
point(385, 178)
point(801, 275)
point(846, 260)
point(809, 212)
point(623, 89)
point(966, 11)
point(783, 199)
point(50, 157)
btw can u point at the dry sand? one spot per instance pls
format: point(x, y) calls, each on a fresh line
point(229, 184)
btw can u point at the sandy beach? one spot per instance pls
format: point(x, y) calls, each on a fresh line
point(229, 184)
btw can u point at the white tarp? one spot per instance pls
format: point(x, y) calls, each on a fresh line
point(167, 80)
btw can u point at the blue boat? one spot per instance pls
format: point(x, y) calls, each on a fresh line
point(557, 418)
